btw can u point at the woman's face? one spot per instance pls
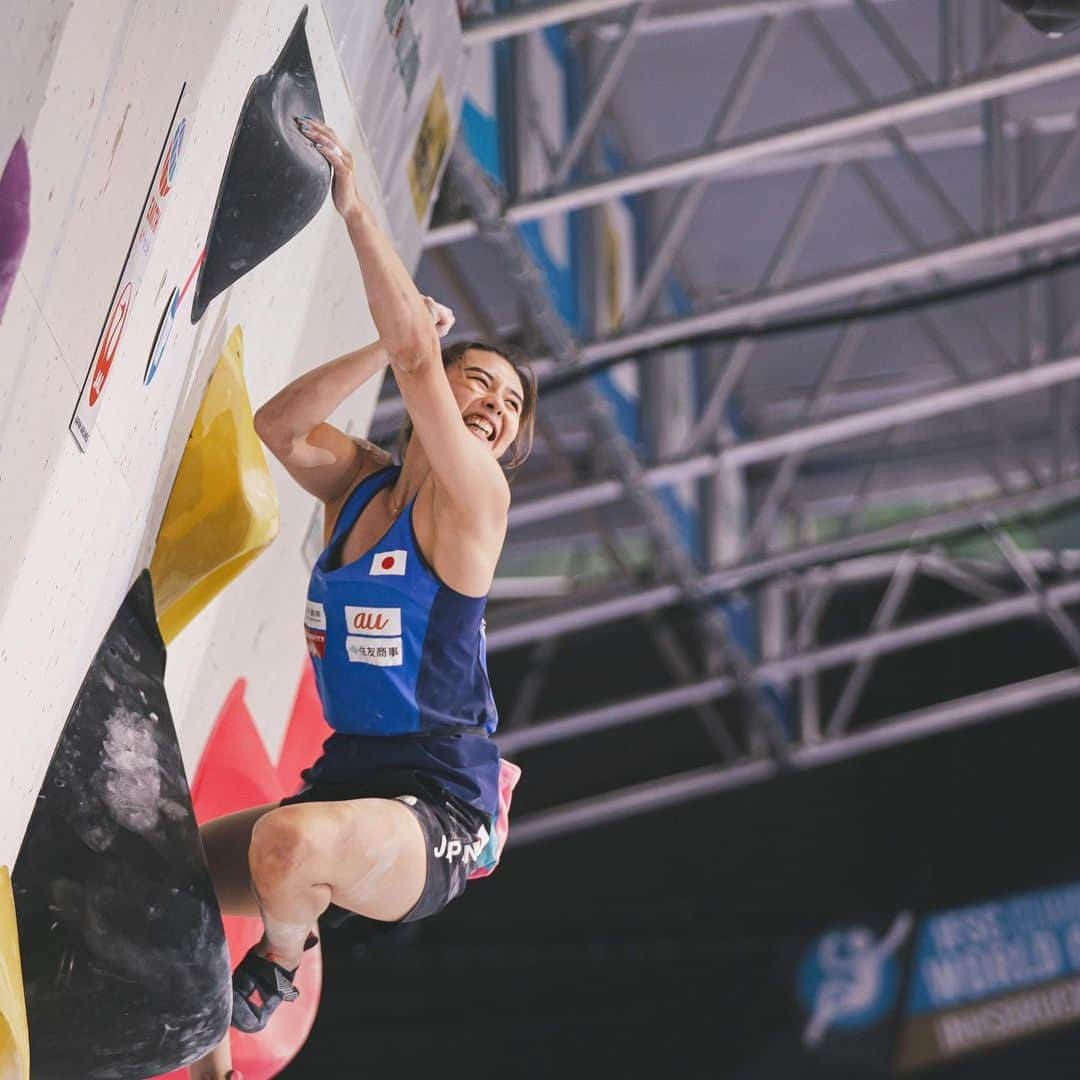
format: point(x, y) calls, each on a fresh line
point(490, 395)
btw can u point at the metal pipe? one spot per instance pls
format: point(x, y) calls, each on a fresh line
point(489, 28)
point(744, 83)
point(711, 162)
point(841, 286)
point(810, 662)
point(800, 440)
point(723, 14)
point(933, 526)
point(701, 783)
point(553, 331)
point(893, 43)
point(888, 611)
point(613, 65)
point(905, 412)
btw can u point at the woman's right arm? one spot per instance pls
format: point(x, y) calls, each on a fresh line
point(321, 458)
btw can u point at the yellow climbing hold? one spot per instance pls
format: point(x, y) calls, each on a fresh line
point(14, 1037)
point(223, 510)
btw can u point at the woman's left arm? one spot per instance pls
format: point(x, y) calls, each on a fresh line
point(466, 470)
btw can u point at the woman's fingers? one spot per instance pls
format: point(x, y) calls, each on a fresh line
point(322, 132)
point(332, 152)
point(326, 141)
point(322, 136)
point(441, 315)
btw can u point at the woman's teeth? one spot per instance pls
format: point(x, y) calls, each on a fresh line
point(482, 427)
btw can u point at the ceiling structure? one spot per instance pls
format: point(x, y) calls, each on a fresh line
point(870, 212)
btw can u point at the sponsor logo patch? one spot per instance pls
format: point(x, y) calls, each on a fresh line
point(388, 562)
point(380, 652)
point(451, 848)
point(373, 621)
point(315, 615)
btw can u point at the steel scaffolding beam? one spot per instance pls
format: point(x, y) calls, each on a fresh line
point(488, 28)
point(1052, 233)
point(810, 662)
point(679, 218)
point(712, 162)
point(803, 439)
point(611, 69)
point(934, 526)
point(548, 323)
point(391, 411)
point(723, 14)
point(712, 780)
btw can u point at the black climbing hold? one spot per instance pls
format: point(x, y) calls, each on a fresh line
point(125, 964)
point(274, 180)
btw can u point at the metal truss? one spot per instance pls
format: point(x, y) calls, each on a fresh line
point(713, 162)
point(823, 744)
point(546, 321)
point(946, 523)
point(800, 440)
point(812, 661)
point(712, 780)
point(779, 554)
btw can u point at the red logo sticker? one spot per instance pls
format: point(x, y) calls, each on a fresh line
point(110, 342)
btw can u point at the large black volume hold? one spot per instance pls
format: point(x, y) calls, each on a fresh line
point(125, 965)
point(274, 181)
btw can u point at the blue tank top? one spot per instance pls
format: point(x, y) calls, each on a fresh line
point(400, 662)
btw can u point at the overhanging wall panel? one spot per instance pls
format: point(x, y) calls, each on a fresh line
point(77, 527)
point(404, 64)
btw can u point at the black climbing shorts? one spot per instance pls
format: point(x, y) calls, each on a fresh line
point(455, 833)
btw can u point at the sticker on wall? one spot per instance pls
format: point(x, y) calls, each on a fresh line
point(168, 320)
point(429, 153)
point(399, 22)
point(127, 288)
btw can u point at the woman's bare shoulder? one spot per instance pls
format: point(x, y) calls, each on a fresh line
point(373, 459)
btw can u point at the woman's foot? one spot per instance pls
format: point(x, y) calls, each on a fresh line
point(259, 987)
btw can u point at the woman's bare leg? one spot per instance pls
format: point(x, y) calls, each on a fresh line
point(286, 864)
point(365, 855)
point(226, 841)
point(217, 1065)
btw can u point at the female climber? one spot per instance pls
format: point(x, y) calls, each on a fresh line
point(400, 808)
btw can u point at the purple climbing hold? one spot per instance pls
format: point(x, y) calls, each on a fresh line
point(14, 217)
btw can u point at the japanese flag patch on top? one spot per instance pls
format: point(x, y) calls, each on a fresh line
point(388, 562)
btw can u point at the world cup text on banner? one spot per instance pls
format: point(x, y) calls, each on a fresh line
point(127, 288)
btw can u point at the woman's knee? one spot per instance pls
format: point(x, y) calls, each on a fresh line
point(283, 846)
point(226, 842)
point(323, 843)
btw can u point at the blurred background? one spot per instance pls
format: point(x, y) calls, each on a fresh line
point(783, 634)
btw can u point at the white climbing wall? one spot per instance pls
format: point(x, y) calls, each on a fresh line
point(102, 80)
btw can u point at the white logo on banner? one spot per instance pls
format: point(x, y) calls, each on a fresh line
point(376, 621)
point(380, 652)
point(851, 978)
point(388, 562)
point(315, 615)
